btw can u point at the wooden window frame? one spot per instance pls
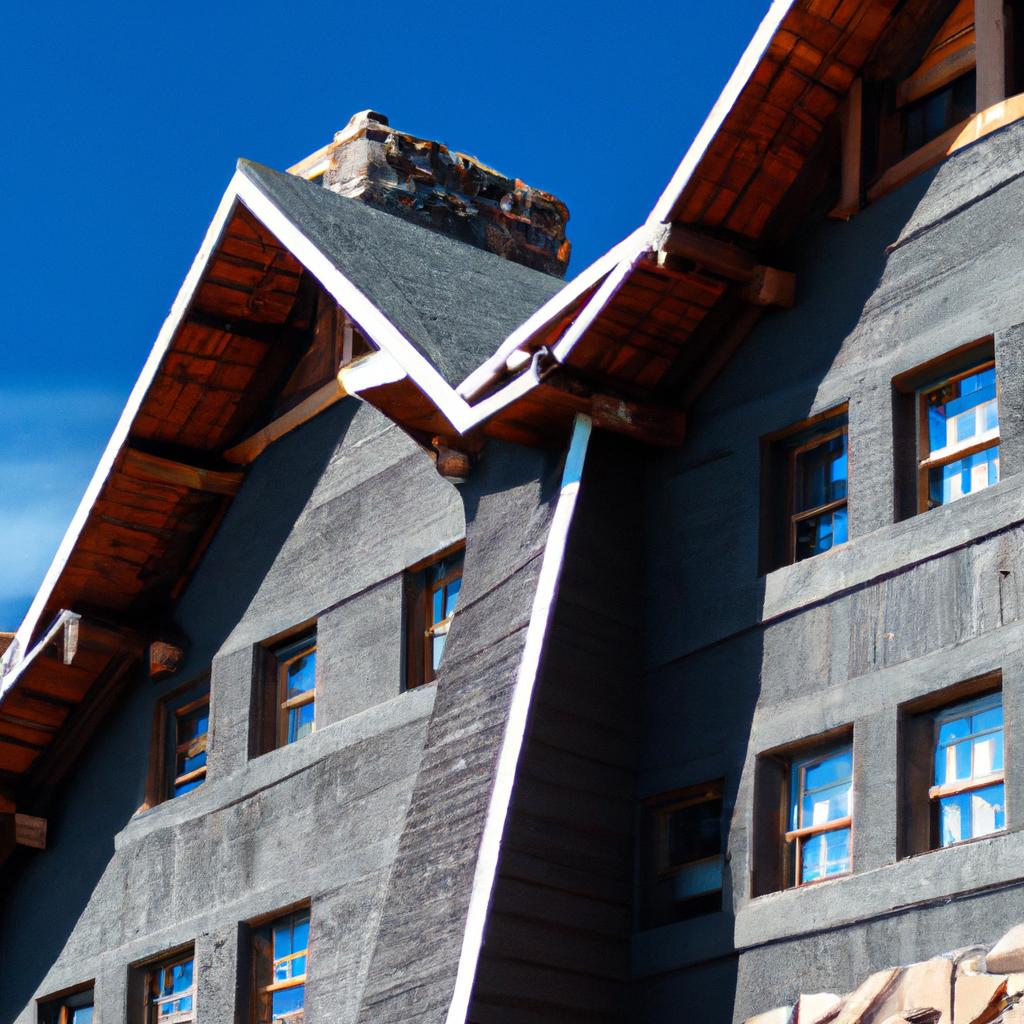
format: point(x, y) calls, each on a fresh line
point(306, 644)
point(161, 777)
point(421, 630)
point(262, 994)
point(936, 793)
point(926, 461)
point(797, 837)
point(779, 451)
point(793, 517)
point(182, 747)
point(655, 907)
point(152, 986)
point(60, 1007)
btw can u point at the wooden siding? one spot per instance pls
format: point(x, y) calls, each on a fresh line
point(557, 941)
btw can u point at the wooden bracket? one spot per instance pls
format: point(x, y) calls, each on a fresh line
point(454, 458)
point(764, 286)
point(21, 830)
point(153, 468)
point(164, 659)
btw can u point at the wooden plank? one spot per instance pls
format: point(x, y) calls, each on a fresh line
point(144, 466)
point(852, 120)
point(990, 33)
point(249, 449)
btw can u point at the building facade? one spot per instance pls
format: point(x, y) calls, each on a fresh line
point(441, 642)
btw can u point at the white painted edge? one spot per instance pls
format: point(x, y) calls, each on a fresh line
point(546, 315)
point(755, 50)
point(378, 328)
point(372, 371)
point(58, 624)
point(121, 430)
point(518, 716)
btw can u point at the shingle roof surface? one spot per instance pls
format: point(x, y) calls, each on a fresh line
point(455, 303)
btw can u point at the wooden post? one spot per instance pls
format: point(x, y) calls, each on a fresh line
point(990, 35)
point(852, 115)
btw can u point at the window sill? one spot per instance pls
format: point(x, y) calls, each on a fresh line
point(278, 765)
point(921, 880)
point(895, 548)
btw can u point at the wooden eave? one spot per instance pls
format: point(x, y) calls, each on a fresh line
point(609, 344)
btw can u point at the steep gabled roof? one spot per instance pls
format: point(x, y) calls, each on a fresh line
point(453, 302)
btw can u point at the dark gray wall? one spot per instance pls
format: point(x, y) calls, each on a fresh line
point(324, 526)
point(738, 663)
point(556, 946)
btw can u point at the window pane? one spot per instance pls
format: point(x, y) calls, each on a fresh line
point(83, 1015)
point(697, 879)
point(827, 853)
point(990, 718)
point(437, 650)
point(837, 767)
point(821, 474)
point(826, 805)
point(288, 1000)
point(282, 940)
point(300, 721)
point(955, 729)
point(988, 811)
point(694, 832)
point(300, 934)
point(962, 409)
point(187, 787)
point(301, 676)
point(819, 533)
point(452, 596)
point(963, 476)
point(438, 610)
point(988, 755)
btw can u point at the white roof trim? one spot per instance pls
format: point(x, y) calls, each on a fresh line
point(755, 50)
point(546, 315)
point(120, 434)
point(514, 738)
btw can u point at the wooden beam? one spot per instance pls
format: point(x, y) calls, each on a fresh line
point(249, 449)
point(770, 287)
point(30, 831)
point(164, 659)
point(143, 466)
point(252, 330)
point(852, 118)
point(722, 258)
point(990, 45)
point(651, 424)
point(765, 286)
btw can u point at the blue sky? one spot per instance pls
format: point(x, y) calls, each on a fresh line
point(122, 123)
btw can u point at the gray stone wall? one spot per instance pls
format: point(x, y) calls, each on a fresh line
point(323, 528)
point(739, 663)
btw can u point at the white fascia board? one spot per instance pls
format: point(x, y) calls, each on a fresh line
point(541, 613)
point(379, 329)
point(756, 49)
point(547, 314)
point(373, 371)
point(121, 431)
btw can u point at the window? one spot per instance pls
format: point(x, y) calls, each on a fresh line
point(683, 859)
point(295, 670)
point(191, 730)
point(967, 793)
point(807, 470)
point(432, 593)
point(181, 731)
point(170, 991)
point(75, 1008)
point(958, 436)
point(927, 118)
point(280, 954)
point(820, 821)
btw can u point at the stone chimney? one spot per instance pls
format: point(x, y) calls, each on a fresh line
point(426, 183)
